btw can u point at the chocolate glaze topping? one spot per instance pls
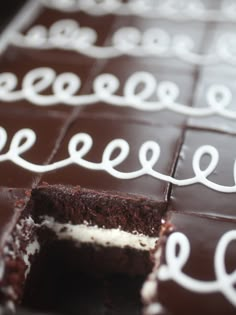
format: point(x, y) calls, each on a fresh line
point(126, 140)
point(204, 236)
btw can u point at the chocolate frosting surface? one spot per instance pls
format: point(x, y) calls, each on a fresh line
point(47, 128)
point(204, 236)
point(200, 213)
point(198, 198)
point(135, 134)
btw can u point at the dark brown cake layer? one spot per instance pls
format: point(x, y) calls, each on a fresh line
point(56, 284)
point(108, 209)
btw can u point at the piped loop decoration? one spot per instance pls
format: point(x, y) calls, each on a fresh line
point(37, 36)
point(177, 253)
point(126, 38)
point(144, 79)
point(149, 155)
point(63, 32)
point(184, 10)
point(66, 85)
point(69, 32)
point(182, 46)
point(85, 142)
point(214, 158)
point(40, 79)
point(8, 82)
point(22, 141)
point(168, 92)
point(226, 48)
point(219, 97)
point(154, 42)
point(115, 153)
point(139, 92)
point(113, 146)
point(106, 85)
point(35, 82)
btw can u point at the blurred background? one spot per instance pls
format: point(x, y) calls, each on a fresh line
point(8, 9)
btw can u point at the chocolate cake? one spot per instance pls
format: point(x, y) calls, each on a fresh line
point(117, 158)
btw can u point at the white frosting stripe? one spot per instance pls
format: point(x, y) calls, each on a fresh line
point(169, 9)
point(83, 233)
point(66, 86)
point(68, 35)
point(173, 270)
point(149, 154)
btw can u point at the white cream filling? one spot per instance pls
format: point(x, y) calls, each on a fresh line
point(31, 249)
point(83, 233)
point(154, 309)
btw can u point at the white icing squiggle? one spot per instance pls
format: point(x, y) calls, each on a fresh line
point(173, 270)
point(183, 10)
point(148, 156)
point(68, 35)
point(65, 88)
